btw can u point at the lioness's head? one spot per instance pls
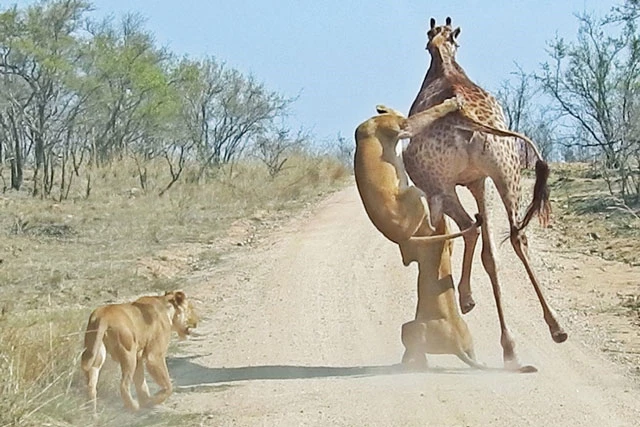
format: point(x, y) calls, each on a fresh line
point(184, 317)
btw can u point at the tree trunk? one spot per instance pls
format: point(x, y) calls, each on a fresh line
point(16, 167)
point(39, 155)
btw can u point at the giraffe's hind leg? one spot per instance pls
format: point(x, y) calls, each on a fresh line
point(510, 196)
point(519, 243)
point(488, 262)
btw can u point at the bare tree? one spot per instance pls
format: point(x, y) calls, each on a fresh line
point(37, 61)
point(515, 99)
point(176, 155)
point(273, 148)
point(594, 84)
point(76, 94)
point(518, 97)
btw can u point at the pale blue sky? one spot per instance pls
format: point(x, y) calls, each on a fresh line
point(344, 57)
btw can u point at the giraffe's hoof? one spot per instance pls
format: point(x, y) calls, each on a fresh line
point(512, 364)
point(467, 304)
point(559, 336)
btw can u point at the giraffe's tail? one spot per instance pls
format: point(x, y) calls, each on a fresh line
point(540, 204)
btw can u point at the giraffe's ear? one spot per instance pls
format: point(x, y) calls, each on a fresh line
point(432, 23)
point(455, 33)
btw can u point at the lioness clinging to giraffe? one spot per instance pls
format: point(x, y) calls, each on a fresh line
point(466, 148)
point(398, 210)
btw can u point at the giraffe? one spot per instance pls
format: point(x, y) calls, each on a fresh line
point(465, 148)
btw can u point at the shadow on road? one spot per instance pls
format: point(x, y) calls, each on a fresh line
point(186, 373)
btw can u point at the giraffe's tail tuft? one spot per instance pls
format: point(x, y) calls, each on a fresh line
point(540, 204)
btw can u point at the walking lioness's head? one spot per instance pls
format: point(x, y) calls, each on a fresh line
point(185, 316)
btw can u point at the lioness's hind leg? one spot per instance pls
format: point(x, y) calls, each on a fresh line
point(142, 389)
point(128, 366)
point(157, 367)
point(92, 374)
point(414, 210)
point(92, 383)
point(412, 338)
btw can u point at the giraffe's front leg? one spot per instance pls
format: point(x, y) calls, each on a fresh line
point(467, 303)
point(453, 208)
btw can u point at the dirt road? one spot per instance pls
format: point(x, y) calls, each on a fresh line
point(305, 330)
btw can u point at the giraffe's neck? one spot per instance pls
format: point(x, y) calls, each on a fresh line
point(442, 79)
point(442, 65)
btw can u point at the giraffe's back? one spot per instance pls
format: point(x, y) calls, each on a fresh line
point(444, 154)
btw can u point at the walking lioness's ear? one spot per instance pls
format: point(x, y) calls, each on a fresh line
point(177, 297)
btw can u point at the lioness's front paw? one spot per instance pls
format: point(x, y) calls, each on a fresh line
point(451, 104)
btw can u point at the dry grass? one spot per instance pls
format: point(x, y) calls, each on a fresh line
point(60, 260)
point(589, 218)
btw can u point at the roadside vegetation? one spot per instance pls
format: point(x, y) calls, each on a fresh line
point(582, 107)
point(590, 220)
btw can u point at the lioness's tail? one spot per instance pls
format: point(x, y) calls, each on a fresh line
point(527, 369)
point(444, 237)
point(92, 341)
point(471, 362)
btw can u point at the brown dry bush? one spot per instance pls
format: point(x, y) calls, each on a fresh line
point(589, 218)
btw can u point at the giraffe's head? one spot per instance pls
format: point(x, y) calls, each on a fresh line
point(442, 38)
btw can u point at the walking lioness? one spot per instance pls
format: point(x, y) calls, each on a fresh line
point(135, 334)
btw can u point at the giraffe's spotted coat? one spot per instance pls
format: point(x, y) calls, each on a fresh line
point(447, 154)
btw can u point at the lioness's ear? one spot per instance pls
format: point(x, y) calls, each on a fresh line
point(179, 297)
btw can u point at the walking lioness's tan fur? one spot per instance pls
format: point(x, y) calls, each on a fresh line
point(136, 334)
point(398, 210)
